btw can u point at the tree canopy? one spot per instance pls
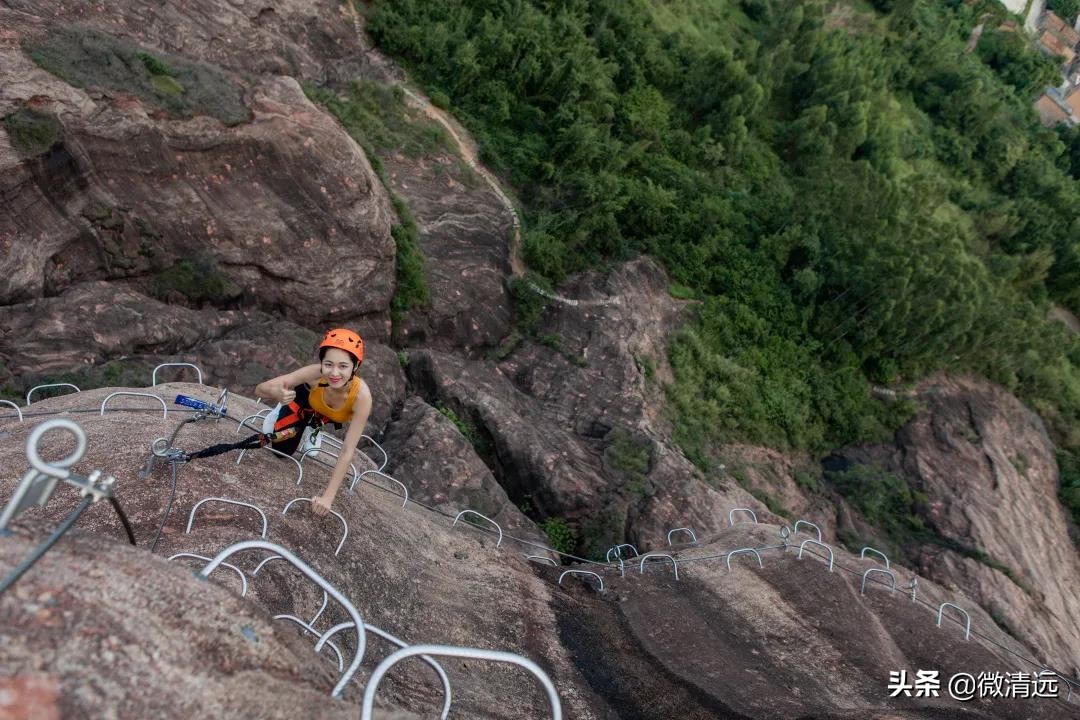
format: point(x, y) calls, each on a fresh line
point(855, 198)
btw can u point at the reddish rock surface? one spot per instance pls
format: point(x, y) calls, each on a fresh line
point(99, 628)
point(987, 467)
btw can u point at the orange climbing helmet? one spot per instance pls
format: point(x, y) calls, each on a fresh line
point(344, 339)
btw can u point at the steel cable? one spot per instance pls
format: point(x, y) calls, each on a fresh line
point(33, 557)
point(529, 543)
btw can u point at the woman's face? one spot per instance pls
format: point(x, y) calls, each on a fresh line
point(337, 367)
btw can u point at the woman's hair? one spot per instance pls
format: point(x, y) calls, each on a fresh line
point(356, 363)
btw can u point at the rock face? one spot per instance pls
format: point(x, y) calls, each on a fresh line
point(133, 234)
point(988, 469)
point(98, 628)
point(574, 431)
point(465, 239)
point(424, 444)
point(279, 219)
point(281, 212)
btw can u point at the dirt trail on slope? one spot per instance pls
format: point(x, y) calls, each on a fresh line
point(467, 149)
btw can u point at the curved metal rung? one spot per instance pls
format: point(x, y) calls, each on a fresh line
point(404, 489)
point(693, 537)
point(238, 571)
point(816, 542)
point(17, 408)
point(892, 588)
point(325, 597)
point(641, 568)
point(191, 517)
point(50, 385)
point(314, 577)
point(876, 552)
point(313, 631)
point(164, 407)
point(324, 451)
point(967, 627)
point(473, 512)
point(386, 458)
point(731, 513)
point(471, 653)
point(257, 416)
point(585, 572)
point(542, 557)
point(153, 375)
point(299, 467)
point(447, 695)
point(222, 402)
point(255, 572)
point(745, 550)
point(795, 530)
point(336, 514)
point(617, 550)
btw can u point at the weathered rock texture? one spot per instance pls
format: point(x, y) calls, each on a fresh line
point(988, 468)
point(425, 445)
point(98, 628)
point(137, 238)
point(573, 432)
point(465, 238)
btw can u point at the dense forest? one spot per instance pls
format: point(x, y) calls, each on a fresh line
point(853, 197)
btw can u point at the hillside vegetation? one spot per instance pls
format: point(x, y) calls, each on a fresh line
point(852, 197)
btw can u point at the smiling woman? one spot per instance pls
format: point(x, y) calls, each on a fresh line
point(330, 391)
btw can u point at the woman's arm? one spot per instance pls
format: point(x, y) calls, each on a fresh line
point(280, 389)
point(320, 504)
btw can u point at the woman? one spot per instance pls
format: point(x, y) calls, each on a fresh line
point(329, 392)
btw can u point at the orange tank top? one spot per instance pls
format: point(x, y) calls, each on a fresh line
point(342, 414)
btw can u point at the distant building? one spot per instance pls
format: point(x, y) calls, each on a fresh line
point(1051, 113)
point(1073, 101)
point(1055, 107)
point(1064, 32)
point(1053, 45)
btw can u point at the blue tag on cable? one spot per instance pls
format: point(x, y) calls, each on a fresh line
point(193, 402)
point(200, 405)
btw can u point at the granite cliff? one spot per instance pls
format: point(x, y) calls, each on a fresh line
point(172, 193)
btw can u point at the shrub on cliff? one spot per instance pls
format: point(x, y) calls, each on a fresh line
point(183, 88)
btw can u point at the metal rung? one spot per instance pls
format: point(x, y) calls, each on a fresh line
point(17, 408)
point(473, 512)
point(967, 618)
point(315, 577)
point(447, 694)
point(795, 531)
point(470, 653)
point(745, 550)
point(336, 514)
point(191, 517)
point(693, 537)
point(50, 385)
point(815, 542)
point(153, 375)
point(404, 490)
point(238, 571)
point(731, 514)
point(582, 572)
point(649, 556)
point(164, 407)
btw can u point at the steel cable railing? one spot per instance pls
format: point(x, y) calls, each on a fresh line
point(1071, 683)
